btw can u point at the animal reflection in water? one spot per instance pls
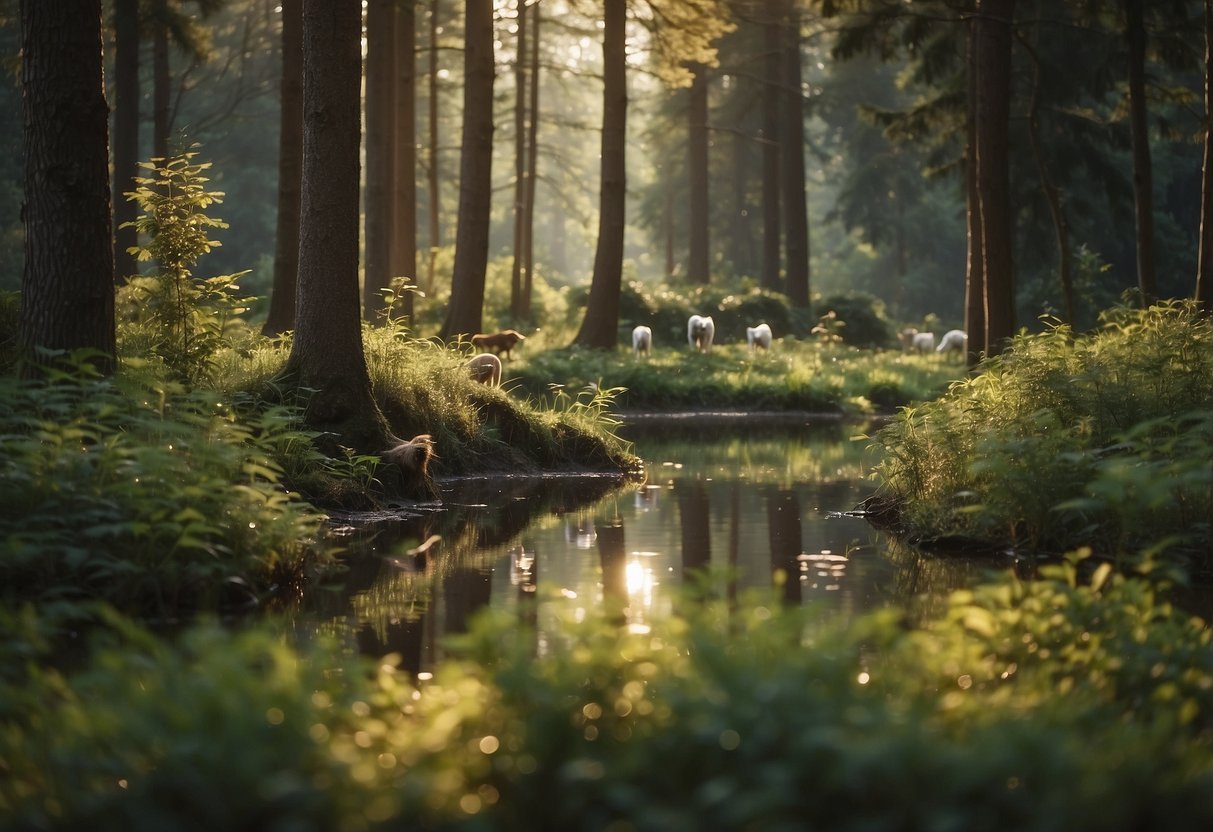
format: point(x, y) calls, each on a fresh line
point(522, 568)
point(580, 533)
point(823, 570)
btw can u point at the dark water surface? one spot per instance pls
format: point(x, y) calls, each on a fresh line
point(764, 505)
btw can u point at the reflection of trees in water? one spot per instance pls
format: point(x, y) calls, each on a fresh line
point(783, 529)
point(923, 581)
point(694, 513)
point(390, 588)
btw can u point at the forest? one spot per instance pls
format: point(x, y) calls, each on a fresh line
point(316, 314)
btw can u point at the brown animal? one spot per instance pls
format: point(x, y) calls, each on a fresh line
point(486, 369)
point(412, 461)
point(498, 342)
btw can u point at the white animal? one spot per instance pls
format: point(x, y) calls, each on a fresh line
point(954, 340)
point(758, 337)
point(642, 340)
point(701, 329)
point(916, 341)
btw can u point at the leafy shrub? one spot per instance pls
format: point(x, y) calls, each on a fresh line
point(153, 498)
point(866, 323)
point(730, 716)
point(1064, 441)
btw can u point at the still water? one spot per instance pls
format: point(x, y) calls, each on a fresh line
point(765, 507)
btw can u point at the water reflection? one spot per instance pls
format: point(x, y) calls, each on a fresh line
point(763, 509)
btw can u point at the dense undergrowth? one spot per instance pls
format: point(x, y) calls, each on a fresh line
point(1102, 440)
point(1058, 704)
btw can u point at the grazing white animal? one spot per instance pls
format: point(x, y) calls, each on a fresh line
point(642, 340)
point(758, 337)
point(701, 330)
point(954, 340)
point(916, 341)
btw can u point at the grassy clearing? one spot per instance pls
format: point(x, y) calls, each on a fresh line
point(793, 375)
point(1102, 440)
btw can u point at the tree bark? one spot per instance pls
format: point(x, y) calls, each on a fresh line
point(528, 234)
point(1204, 275)
point(67, 285)
point(404, 210)
point(772, 92)
point(994, 19)
point(281, 315)
point(520, 159)
point(126, 134)
point(975, 266)
point(796, 240)
point(599, 328)
point(435, 199)
point(1143, 177)
point(380, 154)
point(326, 355)
point(465, 313)
point(698, 261)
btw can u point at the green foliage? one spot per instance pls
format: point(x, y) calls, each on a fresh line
point(792, 375)
point(137, 492)
point(1064, 441)
point(727, 716)
point(175, 316)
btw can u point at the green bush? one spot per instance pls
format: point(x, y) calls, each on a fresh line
point(1058, 704)
point(865, 321)
point(1066, 441)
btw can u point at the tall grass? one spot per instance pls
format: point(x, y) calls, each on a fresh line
point(793, 375)
point(1101, 440)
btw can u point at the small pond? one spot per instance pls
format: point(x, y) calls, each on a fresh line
point(765, 505)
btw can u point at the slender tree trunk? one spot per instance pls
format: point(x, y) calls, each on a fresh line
point(281, 315)
point(532, 179)
point(698, 261)
point(327, 356)
point(975, 265)
point(772, 92)
point(599, 328)
point(435, 197)
point(1051, 193)
point(126, 134)
point(161, 79)
point(741, 238)
point(1143, 177)
point(1204, 276)
point(994, 20)
point(404, 210)
point(520, 169)
point(793, 175)
point(67, 285)
point(667, 221)
point(380, 154)
point(465, 314)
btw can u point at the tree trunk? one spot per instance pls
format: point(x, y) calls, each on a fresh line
point(975, 266)
point(795, 211)
point(1204, 276)
point(772, 92)
point(326, 355)
point(520, 169)
point(435, 200)
point(464, 315)
point(698, 261)
point(404, 210)
point(1143, 177)
point(160, 79)
point(67, 285)
point(599, 328)
point(528, 234)
point(281, 316)
point(126, 135)
point(994, 18)
point(380, 154)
